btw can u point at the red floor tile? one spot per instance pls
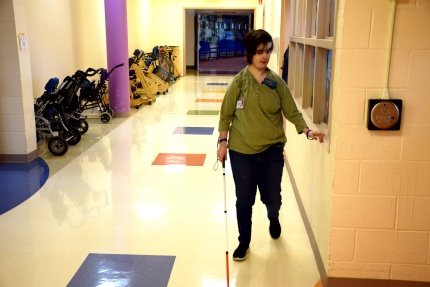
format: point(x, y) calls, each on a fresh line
point(180, 158)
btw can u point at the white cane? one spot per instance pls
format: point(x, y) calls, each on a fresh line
point(226, 225)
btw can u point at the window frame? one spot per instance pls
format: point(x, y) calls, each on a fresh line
point(309, 49)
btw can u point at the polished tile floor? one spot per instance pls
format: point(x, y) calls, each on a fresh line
point(138, 203)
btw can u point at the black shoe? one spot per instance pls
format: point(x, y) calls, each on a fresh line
point(241, 252)
point(275, 228)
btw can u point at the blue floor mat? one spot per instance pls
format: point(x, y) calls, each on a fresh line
point(19, 181)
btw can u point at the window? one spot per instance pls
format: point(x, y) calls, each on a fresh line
point(310, 67)
point(331, 10)
point(314, 18)
point(308, 77)
point(327, 87)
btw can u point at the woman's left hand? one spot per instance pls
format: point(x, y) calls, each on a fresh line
point(316, 135)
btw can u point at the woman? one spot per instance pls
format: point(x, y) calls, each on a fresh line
point(251, 127)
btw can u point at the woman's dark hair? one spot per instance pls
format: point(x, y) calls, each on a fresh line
point(252, 40)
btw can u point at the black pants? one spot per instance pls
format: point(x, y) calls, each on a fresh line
point(262, 170)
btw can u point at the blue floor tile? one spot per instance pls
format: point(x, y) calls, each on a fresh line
point(121, 270)
point(194, 130)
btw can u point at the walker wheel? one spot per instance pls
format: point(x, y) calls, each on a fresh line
point(58, 146)
point(83, 126)
point(105, 117)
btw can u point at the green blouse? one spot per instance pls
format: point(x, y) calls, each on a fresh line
point(252, 113)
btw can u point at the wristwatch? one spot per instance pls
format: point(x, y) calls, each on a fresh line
point(220, 140)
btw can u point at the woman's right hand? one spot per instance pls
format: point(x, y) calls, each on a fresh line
point(222, 151)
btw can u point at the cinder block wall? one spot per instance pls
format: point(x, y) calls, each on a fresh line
point(380, 222)
point(17, 133)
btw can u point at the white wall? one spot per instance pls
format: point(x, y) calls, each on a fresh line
point(50, 41)
point(64, 36)
point(312, 167)
point(89, 33)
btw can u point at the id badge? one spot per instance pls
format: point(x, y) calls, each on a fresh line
point(240, 104)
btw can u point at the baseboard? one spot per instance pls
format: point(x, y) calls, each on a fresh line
point(356, 282)
point(122, 114)
point(19, 158)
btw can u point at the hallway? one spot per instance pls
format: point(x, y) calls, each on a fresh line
point(138, 203)
point(230, 66)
